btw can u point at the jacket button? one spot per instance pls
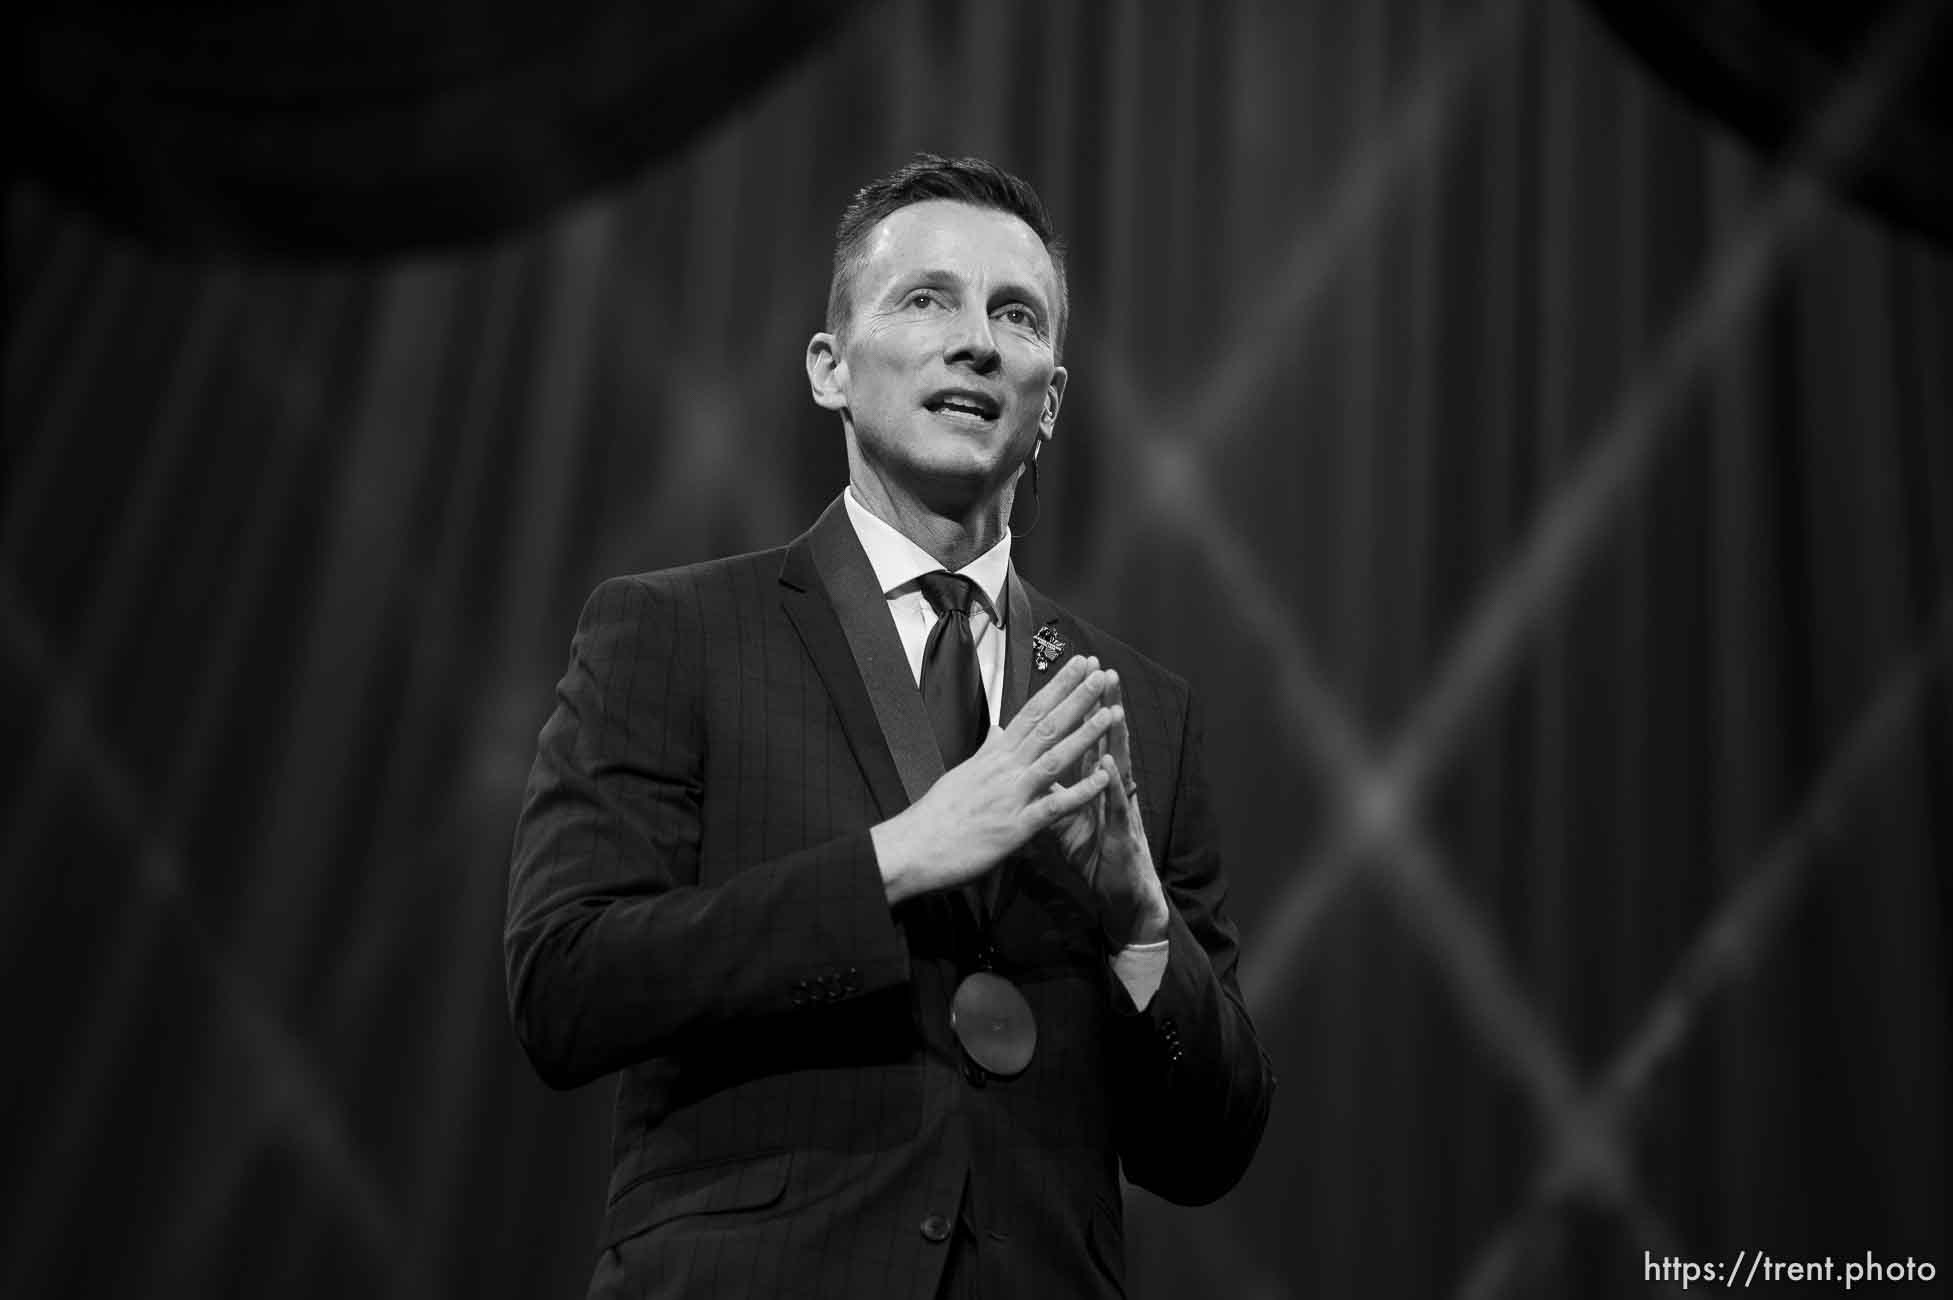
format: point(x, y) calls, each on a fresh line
point(935, 1228)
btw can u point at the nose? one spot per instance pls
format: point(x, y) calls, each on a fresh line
point(970, 342)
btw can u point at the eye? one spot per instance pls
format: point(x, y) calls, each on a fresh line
point(1018, 314)
point(921, 298)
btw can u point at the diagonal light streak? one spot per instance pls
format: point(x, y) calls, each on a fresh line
point(1378, 826)
point(375, 483)
point(1375, 809)
point(211, 318)
point(1220, 404)
point(1260, 345)
point(156, 899)
point(1515, 1252)
point(1379, 803)
point(1378, 829)
point(1724, 950)
point(81, 366)
point(389, 896)
point(1623, 454)
point(279, 1061)
point(383, 911)
point(1731, 943)
point(31, 334)
point(1559, 546)
point(575, 257)
point(1572, 527)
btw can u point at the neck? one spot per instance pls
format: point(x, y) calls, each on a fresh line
point(952, 536)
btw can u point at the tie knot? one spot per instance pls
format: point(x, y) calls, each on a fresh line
point(949, 593)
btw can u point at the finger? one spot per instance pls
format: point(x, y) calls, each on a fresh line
point(1058, 787)
point(1118, 804)
point(1065, 716)
point(1064, 799)
point(1053, 692)
point(1065, 754)
point(1087, 818)
point(1118, 741)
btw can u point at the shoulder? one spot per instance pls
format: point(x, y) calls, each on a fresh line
point(728, 575)
point(696, 597)
point(726, 571)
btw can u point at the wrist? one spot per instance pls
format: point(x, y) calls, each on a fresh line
point(1152, 925)
point(1146, 924)
point(895, 858)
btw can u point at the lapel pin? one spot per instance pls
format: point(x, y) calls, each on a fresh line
point(1046, 646)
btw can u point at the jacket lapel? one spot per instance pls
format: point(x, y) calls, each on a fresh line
point(829, 592)
point(1018, 628)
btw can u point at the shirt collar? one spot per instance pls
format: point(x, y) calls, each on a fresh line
point(898, 562)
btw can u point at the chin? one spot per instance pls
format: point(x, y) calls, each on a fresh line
point(964, 456)
point(951, 485)
point(948, 474)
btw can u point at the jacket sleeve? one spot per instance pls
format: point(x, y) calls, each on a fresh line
point(1194, 1085)
point(614, 951)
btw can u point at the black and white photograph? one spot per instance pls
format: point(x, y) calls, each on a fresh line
point(1257, 650)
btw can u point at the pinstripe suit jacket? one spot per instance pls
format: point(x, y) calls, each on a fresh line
point(694, 903)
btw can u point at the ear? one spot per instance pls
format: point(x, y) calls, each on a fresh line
point(1054, 396)
point(827, 372)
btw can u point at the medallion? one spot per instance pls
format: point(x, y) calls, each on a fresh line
point(994, 1023)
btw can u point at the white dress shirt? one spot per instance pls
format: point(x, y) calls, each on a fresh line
point(897, 563)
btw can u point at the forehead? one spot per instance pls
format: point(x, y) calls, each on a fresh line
point(982, 245)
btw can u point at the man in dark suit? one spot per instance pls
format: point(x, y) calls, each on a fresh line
point(889, 887)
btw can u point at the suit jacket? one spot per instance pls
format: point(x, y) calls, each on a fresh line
point(694, 903)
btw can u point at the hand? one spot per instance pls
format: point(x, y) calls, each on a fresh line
point(986, 806)
point(1106, 842)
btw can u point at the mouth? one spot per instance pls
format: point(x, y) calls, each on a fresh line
point(964, 403)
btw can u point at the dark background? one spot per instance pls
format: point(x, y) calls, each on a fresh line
point(1528, 425)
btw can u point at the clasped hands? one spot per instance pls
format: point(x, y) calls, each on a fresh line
point(1062, 765)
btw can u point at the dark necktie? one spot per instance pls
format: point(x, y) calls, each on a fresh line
point(959, 714)
point(952, 687)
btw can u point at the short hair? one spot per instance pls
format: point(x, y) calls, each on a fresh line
point(928, 176)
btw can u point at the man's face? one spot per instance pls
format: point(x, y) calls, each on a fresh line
point(946, 371)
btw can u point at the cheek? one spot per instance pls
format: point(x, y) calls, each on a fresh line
point(885, 370)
